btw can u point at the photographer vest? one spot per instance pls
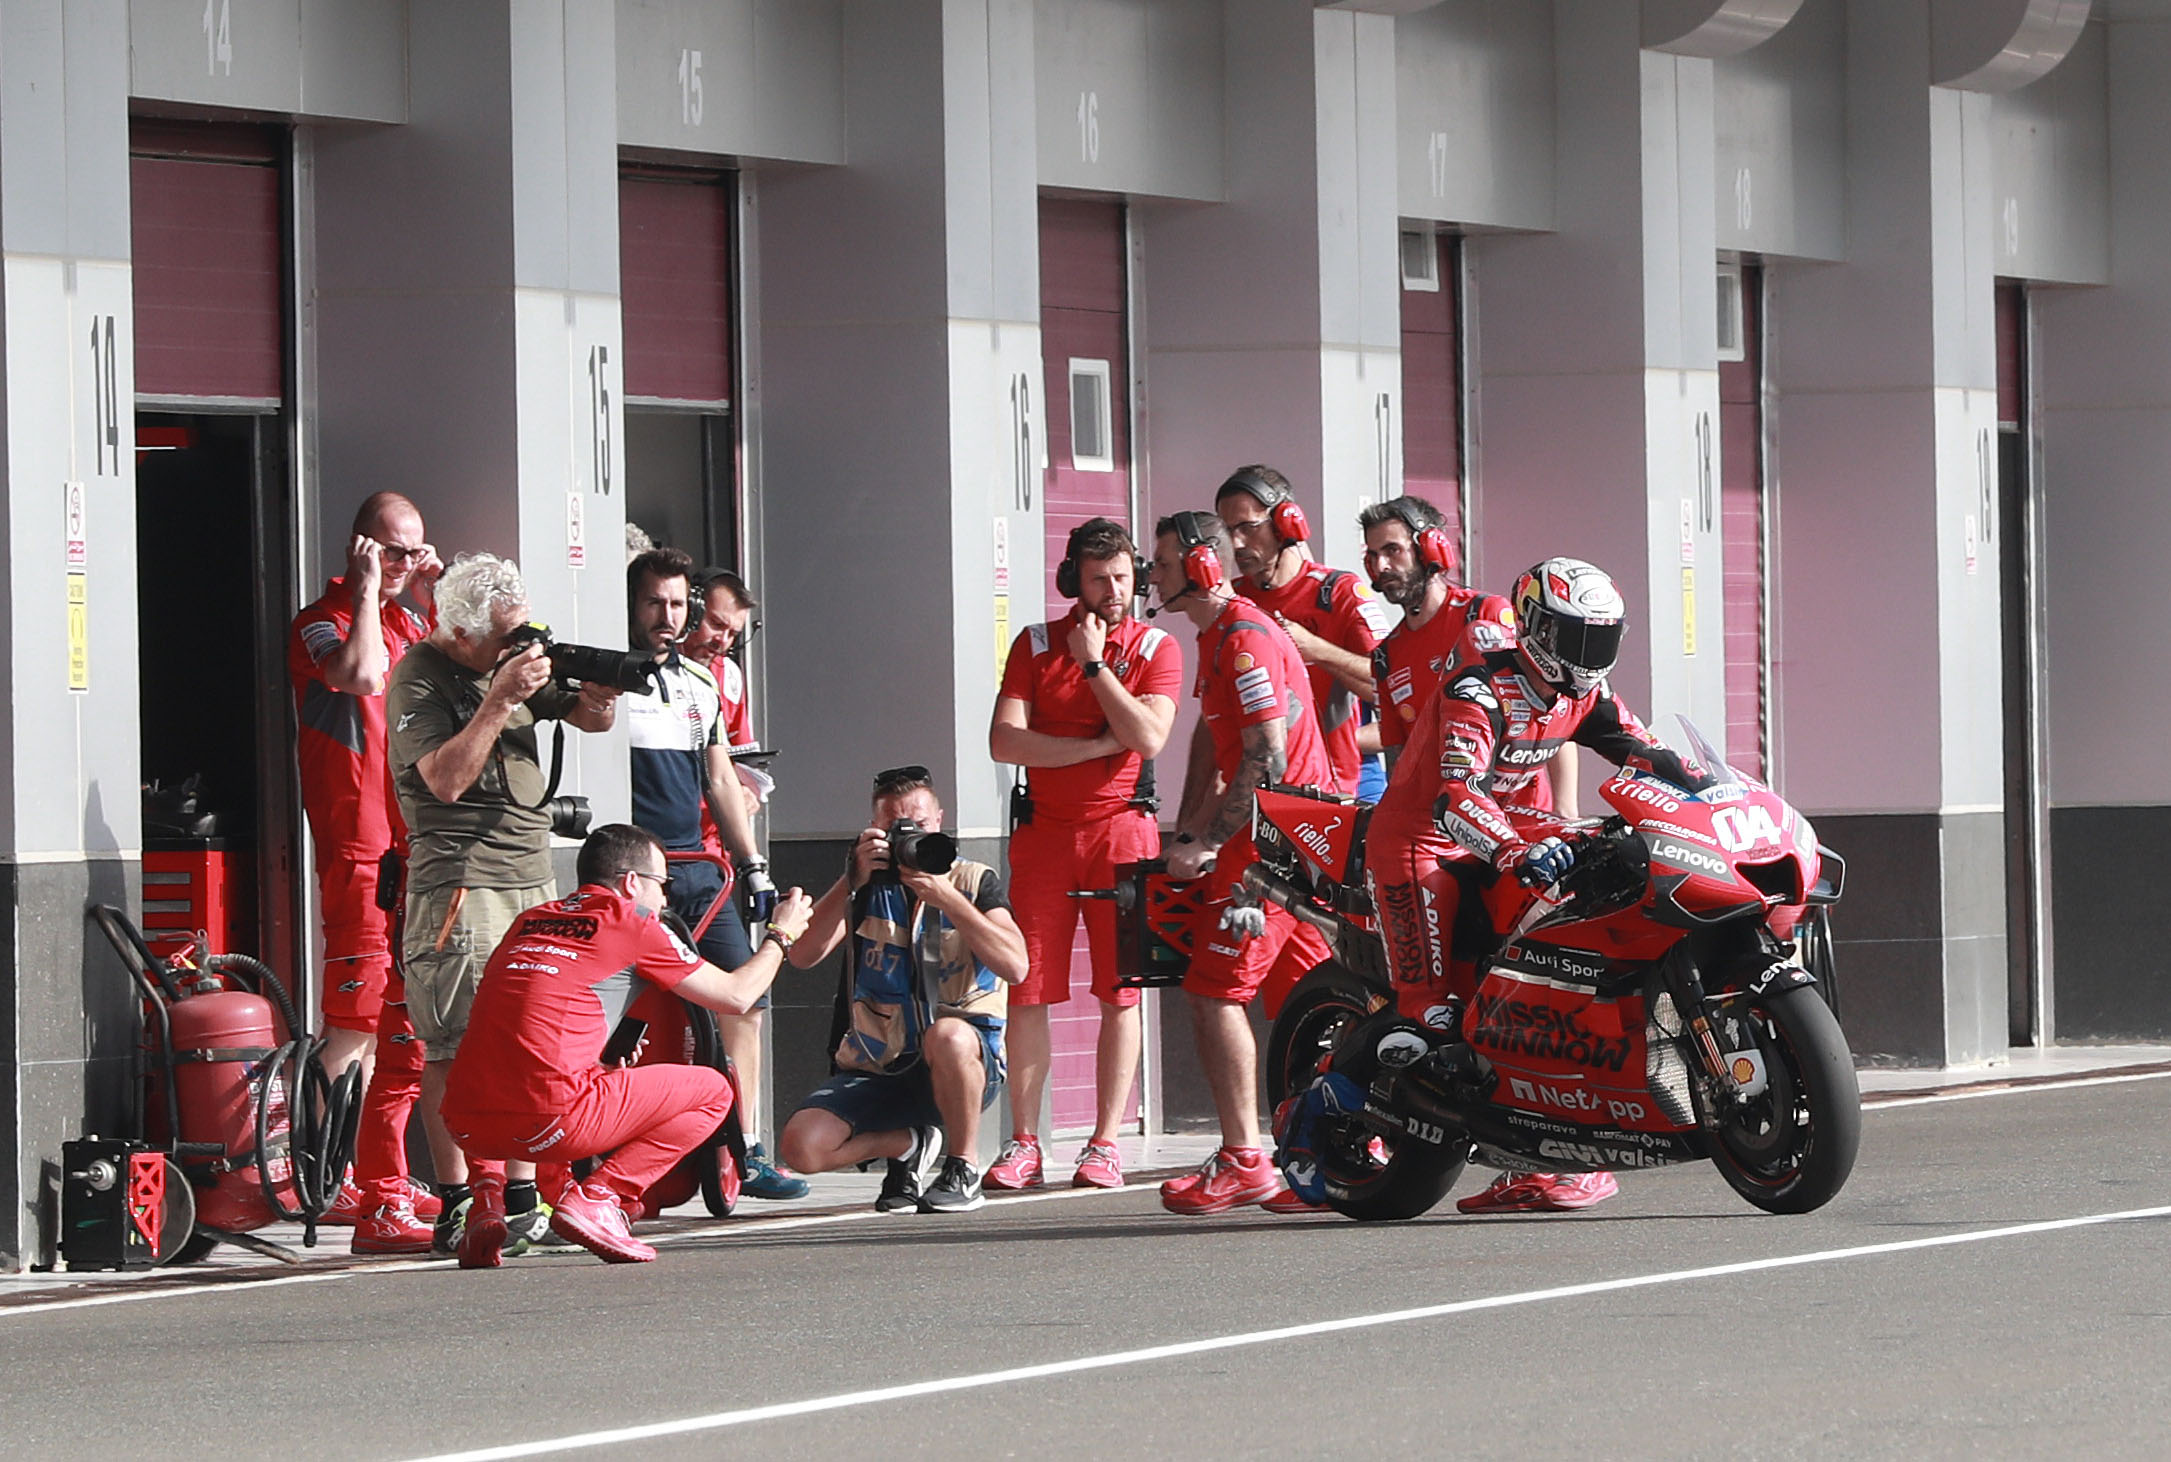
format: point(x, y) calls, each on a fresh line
point(910, 966)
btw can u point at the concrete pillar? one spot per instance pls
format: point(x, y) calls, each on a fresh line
point(1887, 657)
point(898, 302)
point(2103, 417)
point(466, 332)
point(1272, 321)
point(1595, 382)
point(70, 823)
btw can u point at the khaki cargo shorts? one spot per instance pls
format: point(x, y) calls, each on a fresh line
point(451, 933)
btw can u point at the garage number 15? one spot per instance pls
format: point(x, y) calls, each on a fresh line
point(1743, 828)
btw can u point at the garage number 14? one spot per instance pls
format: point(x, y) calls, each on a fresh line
point(1743, 828)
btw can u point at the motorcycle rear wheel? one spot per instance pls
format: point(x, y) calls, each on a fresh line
point(1379, 1177)
point(1324, 1004)
point(1791, 1149)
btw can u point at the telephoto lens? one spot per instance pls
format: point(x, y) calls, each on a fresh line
point(912, 846)
point(569, 816)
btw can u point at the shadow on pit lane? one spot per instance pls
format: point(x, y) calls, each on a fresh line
point(929, 1229)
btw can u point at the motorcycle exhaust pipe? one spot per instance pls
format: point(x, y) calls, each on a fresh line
point(1262, 882)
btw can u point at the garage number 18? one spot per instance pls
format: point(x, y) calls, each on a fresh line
point(1743, 828)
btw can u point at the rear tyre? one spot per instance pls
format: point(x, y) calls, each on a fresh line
point(1790, 1149)
point(1324, 1004)
point(1381, 1177)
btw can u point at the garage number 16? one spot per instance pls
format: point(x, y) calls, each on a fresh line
point(1743, 828)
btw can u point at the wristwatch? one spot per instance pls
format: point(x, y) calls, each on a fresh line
point(1090, 669)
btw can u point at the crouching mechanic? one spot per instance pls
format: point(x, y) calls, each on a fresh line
point(526, 1084)
point(1440, 834)
point(932, 956)
point(1086, 702)
point(1256, 727)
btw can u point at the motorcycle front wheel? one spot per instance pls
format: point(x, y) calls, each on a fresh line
point(1324, 1004)
point(1380, 1177)
point(1791, 1148)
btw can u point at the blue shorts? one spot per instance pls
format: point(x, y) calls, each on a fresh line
point(868, 1101)
point(694, 886)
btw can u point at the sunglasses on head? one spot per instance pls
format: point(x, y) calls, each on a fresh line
point(896, 779)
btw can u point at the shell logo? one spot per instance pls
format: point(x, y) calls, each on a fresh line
point(1245, 662)
point(1744, 1070)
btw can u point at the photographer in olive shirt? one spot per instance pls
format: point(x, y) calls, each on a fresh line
point(462, 708)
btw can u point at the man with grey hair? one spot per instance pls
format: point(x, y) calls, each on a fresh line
point(463, 707)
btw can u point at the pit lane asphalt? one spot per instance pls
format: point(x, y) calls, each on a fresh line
point(2014, 1345)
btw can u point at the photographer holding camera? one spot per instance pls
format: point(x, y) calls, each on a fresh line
point(463, 707)
point(933, 950)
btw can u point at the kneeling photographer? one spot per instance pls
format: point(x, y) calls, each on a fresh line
point(933, 949)
point(462, 709)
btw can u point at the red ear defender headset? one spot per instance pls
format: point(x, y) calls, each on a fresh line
point(1281, 509)
point(1201, 565)
point(1434, 547)
point(1067, 572)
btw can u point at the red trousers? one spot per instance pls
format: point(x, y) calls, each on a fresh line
point(646, 1118)
point(380, 1138)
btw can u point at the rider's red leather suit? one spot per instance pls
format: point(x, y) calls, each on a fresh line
point(1452, 807)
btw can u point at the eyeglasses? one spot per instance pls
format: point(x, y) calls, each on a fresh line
point(899, 779)
point(662, 881)
point(393, 553)
point(1249, 527)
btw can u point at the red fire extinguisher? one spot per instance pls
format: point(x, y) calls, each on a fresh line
point(226, 1077)
point(231, 1085)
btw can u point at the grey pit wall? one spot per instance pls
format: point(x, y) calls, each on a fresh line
point(2111, 923)
point(70, 1022)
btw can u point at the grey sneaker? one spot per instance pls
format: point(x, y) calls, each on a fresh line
point(450, 1228)
point(530, 1232)
point(901, 1182)
point(956, 1190)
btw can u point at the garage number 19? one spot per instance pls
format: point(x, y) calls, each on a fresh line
point(1742, 828)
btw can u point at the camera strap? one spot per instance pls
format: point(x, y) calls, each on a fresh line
point(557, 767)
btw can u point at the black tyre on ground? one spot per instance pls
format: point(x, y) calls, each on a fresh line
point(720, 1163)
point(1790, 1149)
point(1377, 1176)
point(1325, 1003)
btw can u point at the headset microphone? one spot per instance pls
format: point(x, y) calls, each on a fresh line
point(1154, 611)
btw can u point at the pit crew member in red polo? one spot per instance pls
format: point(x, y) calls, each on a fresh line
point(526, 1084)
point(1256, 727)
point(1086, 704)
point(340, 654)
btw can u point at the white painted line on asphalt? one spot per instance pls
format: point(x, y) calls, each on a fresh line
point(2014, 1089)
point(130, 1294)
point(856, 1215)
point(718, 1420)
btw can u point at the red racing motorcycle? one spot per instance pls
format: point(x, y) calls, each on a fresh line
point(1650, 1008)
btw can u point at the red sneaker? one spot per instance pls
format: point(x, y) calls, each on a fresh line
point(346, 1210)
point(1287, 1201)
point(590, 1216)
point(1579, 1190)
point(392, 1229)
point(1099, 1166)
point(1540, 1193)
point(424, 1199)
point(1231, 1178)
point(1017, 1166)
point(482, 1241)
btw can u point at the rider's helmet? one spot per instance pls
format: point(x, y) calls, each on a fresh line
point(1568, 618)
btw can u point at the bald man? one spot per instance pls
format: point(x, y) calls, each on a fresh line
point(339, 657)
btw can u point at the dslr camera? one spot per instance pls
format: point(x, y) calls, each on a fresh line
point(919, 848)
point(572, 664)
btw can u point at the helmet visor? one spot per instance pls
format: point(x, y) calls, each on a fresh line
point(1586, 644)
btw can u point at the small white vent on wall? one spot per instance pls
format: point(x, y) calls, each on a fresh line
point(1092, 417)
point(1420, 259)
point(1731, 344)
